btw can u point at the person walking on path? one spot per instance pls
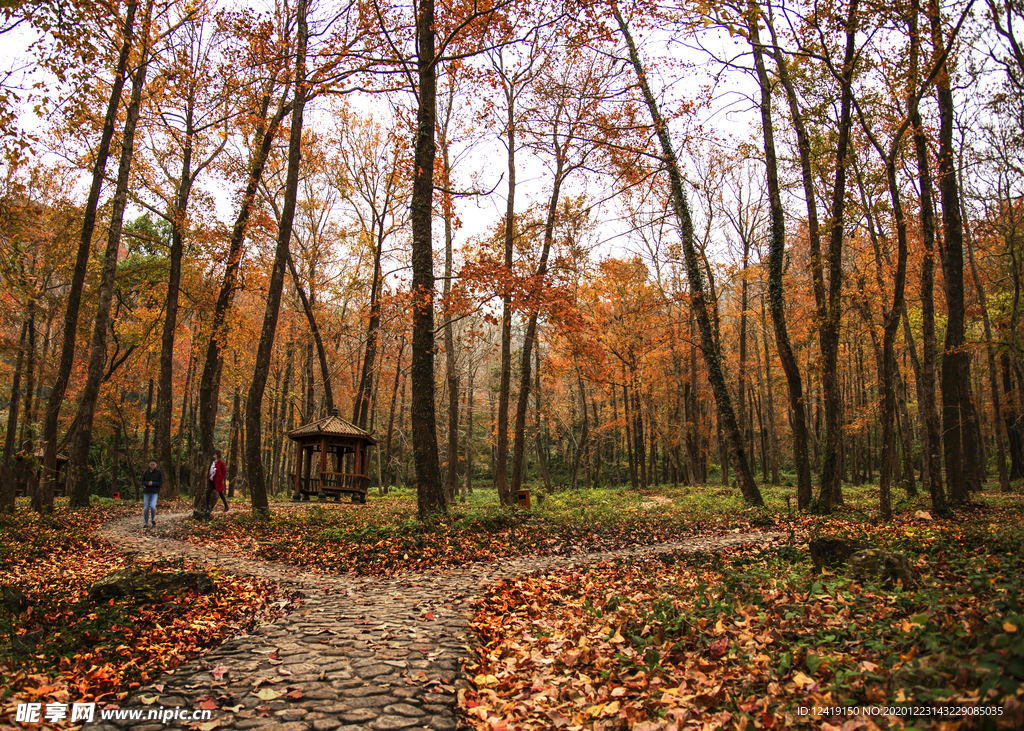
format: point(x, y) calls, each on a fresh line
point(216, 482)
point(152, 479)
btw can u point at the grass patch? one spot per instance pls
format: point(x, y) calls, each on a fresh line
point(385, 536)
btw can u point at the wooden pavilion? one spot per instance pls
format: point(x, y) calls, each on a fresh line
point(332, 459)
point(28, 472)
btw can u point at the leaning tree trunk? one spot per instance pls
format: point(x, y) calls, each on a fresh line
point(209, 383)
point(264, 352)
point(325, 371)
point(519, 442)
point(43, 498)
point(98, 351)
point(712, 351)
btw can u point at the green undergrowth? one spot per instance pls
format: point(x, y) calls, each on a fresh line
point(385, 536)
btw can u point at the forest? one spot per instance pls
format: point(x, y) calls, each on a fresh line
point(664, 364)
point(522, 244)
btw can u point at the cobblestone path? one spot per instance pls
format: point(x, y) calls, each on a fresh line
point(358, 653)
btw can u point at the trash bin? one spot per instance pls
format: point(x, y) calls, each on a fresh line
point(524, 499)
point(116, 495)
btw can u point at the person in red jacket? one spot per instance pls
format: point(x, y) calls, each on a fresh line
point(216, 481)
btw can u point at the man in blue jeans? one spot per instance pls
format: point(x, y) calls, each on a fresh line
point(152, 479)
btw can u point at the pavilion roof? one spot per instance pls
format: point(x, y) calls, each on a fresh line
point(331, 426)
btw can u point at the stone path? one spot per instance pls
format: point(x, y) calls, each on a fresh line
point(358, 653)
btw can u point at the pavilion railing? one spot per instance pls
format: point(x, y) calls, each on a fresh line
point(330, 482)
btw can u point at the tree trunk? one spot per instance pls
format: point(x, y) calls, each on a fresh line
point(389, 475)
point(264, 352)
point(741, 401)
point(828, 302)
point(145, 441)
point(932, 434)
point(236, 425)
point(581, 446)
point(993, 374)
point(451, 374)
point(773, 436)
point(712, 351)
point(6, 472)
point(362, 400)
point(209, 384)
point(519, 450)
point(542, 462)
point(325, 372)
point(639, 448)
point(175, 483)
point(1012, 421)
point(430, 495)
point(627, 417)
point(501, 483)
point(164, 395)
point(79, 464)
point(467, 486)
point(43, 498)
point(960, 450)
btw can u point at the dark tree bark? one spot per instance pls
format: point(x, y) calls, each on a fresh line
point(149, 422)
point(451, 373)
point(79, 464)
point(430, 495)
point(264, 351)
point(993, 374)
point(932, 442)
point(467, 485)
point(959, 444)
point(164, 397)
point(582, 444)
point(44, 499)
point(773, 435)
point(362, 399)
point(828, 301)
point(542, 462)
point(186, 396)
point(321, 352)
point(6, 473)
point(1012, 420)
point(776, 292)
point(209, 383)
point(519, 446)
point(501, 483)
point(712, 351)
point(389, 472)
point(236, 425)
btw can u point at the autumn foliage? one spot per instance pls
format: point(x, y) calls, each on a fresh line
point(61, 646)
point(745, 637)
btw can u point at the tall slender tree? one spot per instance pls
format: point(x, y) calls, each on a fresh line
point(254, 399)
point(712, 350)
point(43, 501)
